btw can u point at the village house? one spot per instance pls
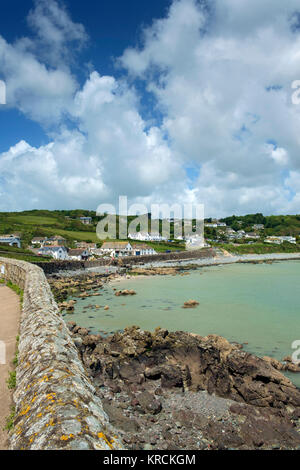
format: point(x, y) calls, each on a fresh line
point(56, 252)
point(258, 227)
point(57, 240)
point(86, 245)
point(139, 249)
point(156, 237)
point(194, 242)
point(141, 236)
point(252, 235)
point(38, 241)
point(86, 220)
point(116, 249)
point(78, 254)
point(11, 240)
point(280, 240)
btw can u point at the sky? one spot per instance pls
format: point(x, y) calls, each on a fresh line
point(168, 101)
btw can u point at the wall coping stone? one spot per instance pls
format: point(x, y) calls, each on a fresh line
point(56, 403)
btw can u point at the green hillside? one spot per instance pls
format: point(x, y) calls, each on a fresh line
point(43, 223)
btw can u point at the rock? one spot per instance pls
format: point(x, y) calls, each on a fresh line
point(274, 363)
point(78, 341)
point(153, 373)
point(190, 304)
point(125, 292)
point(171, 376)
point(118, 419)
point(148, 403)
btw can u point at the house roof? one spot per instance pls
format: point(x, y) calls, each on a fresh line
point(52, 248)
point(76, 252)
point(141, 246)
point(114, 245)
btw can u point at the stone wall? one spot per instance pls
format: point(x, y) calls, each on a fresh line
point(56, 404)
point(57, 266)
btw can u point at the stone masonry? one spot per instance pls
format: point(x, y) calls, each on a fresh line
point(56, 404)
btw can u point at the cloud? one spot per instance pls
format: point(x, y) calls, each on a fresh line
point(220, 74)
point(56, 31)
point(223, 80)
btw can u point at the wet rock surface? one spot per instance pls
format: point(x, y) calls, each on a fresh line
point(165, 390)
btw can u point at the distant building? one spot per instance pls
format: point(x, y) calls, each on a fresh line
point(141, 236)
point(38, 241)
point(86, 220)
point(56, 240)
point(194, 242)
point(11, 240)
point(86, 245)
point(258, 227)
point(78, 254)
point(116, 249)
point(252, 235)
point(56, 252)
point(142, 250)
point(146, 237)
point(280, 240)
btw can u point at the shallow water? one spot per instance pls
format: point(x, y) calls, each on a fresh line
point(257, 304)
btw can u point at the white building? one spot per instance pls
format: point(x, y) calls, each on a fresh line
point(86, 220)
point(11, 240)
point(38, 241)
point(280, 240)
point(56, 252)
point(141, 236)
point(116, 249)
point(142, 250)
point(78, 254)
point(194, 242)
point(252, 235)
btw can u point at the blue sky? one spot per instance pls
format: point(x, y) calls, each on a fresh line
point(168, 101)
point(112, 27)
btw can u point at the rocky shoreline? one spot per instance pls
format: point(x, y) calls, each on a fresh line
point(165, 390)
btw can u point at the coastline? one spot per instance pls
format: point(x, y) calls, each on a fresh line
point(227, 259)
point(206, 262)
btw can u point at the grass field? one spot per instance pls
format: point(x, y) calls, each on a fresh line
point(7, 251)
point(32, 220)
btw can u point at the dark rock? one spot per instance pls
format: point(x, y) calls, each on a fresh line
point(148, 403)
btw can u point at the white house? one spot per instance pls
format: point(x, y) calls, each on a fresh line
point(156, 237)
point(142, 250)
point(78, 254)
point(252, 235)
point(194, 242)
point(11, 240)
point(280, 240)
point(141, 236)
point(86, 220)
point(116, 249)
point(57, 252)
point(38, 241)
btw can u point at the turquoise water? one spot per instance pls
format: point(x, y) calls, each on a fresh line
point(254, 303)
